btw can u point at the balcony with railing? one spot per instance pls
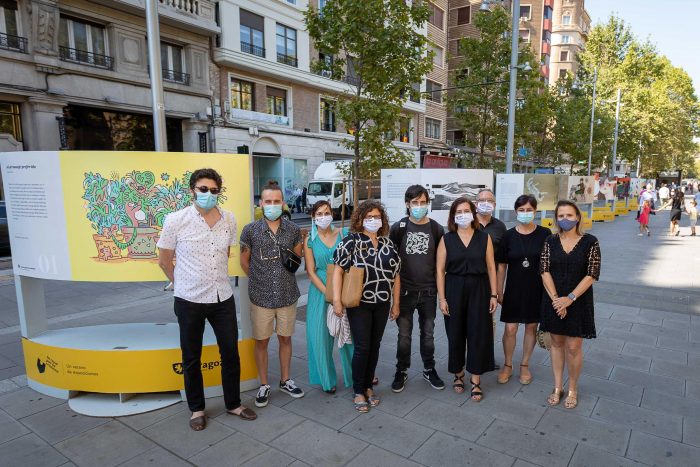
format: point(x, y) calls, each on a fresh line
point(176, 77)
point(287, 59)
point(249, 48)
point(84, 57)
point(261, 117)
point(14, 43)
point(194, 15)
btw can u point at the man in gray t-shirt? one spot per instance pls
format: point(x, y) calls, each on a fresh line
point(417, 237)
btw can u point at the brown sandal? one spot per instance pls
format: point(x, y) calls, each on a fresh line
point(198, 423)
point(458, 384)
point(524, 380)
point(571, 400)
point(555, 397)
point(502, 377)
point(245, 414)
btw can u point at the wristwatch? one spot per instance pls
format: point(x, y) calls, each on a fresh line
point(572, 297)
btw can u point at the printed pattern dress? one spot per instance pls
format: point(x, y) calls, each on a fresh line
point(567, 270)
point(319, 342)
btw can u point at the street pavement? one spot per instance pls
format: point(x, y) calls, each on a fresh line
point(639, 395)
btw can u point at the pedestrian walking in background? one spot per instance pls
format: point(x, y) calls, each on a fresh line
point(201, 236)
point(416, 237)
point(369, 249)
point(319, 248)
point(272, 288)
point(467, 291)
point(304, 206)
point(644, 213)
point(297, 199)
point(677, 203)
point(521, 295)
point(693, 215)
point(664, 194)
point(569, 265)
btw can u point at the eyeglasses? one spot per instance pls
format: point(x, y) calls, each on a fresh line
point(206, 189)
point(376, 218)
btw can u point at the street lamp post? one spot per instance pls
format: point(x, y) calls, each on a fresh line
point(617, 127)
point(154, 65)
point(590, 140)
point(513, 84)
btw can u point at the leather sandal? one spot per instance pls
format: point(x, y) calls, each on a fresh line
point(458, 384)
point(245, 414)
point(504, 377)
point(555, 397)
point(361, 406)
point(372, 399)
point(477, 396)
point(571, 400)
point(198, 423)
point(524, 380)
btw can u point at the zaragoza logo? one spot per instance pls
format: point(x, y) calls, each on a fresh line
point(177, 368)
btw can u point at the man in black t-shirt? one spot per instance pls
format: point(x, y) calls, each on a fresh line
point(417, 237)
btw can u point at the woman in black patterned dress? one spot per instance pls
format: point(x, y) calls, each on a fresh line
point(368, 247)
point(569, 265)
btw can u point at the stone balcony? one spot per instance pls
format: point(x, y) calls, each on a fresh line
point(194, 15)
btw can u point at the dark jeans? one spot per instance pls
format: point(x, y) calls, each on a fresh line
point(425, 302)
point(367, 323)
point(222, 318)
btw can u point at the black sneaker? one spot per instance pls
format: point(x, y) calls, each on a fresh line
point(399, 381)
point(263, 396)
point(291, 388)
point(432, 377)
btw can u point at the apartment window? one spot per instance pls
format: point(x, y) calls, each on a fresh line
point(321, 4)
point(433, 91)
point(544, 59)
point(415, 92)
point(547, 36)
point(464, 15)
point(286, 45)
point(566, 20)
point(525, 35)
point(432, 128)
point(563, 73)
point(276, 101)
point(327, 61)
point(293, 2)
point(252, 33)
point(242, 94)
point(564, 56)
point(548, 12)
point(462, 73)
point(525, 12)
point(83, 42)
point(438, 55)
point(9, 27)
point(565, 39)
point(351, 71)
point(327, 115)
point(437, 16)
point(9, 120)
point(173, 63)
point(404, 130)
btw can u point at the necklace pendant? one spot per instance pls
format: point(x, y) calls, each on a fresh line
point(526, 263)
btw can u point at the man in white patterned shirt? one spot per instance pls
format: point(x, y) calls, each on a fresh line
point(201, 236)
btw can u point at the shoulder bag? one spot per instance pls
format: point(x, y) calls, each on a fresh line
point(353, 283)
point(290, 260)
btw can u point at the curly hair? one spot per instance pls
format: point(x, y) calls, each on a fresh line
point(358, 215)
point(199, 174)
point(318, 205)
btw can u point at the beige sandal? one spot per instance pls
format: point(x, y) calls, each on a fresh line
point(503, 378)
point(555, 397)
point(571, 400)
point(524, 380)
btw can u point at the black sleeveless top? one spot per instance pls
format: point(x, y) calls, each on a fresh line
point(465, 261)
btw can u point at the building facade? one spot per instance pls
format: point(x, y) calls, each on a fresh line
point(74, 74)
point(570, 26)
point(536, 30)
point(274, 106)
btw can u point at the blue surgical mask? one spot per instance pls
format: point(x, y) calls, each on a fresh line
point(526, 217)
point(566, 224)
point(272, 211)
point(206, 200)
point(419, 212)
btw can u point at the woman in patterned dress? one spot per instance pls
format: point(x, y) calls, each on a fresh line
point(368, 247)
point(569, 265)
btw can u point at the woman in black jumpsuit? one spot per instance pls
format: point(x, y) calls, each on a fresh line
point(466, 281)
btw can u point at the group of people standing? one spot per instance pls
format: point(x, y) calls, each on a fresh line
point(414, 265)
point(675, 199)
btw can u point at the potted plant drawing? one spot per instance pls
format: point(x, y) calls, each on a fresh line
point(105, 214)
point(139, 198)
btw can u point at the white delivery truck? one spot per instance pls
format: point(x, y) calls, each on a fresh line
point(327, 185)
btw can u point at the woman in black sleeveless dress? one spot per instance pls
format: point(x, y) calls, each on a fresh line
point(466, 282)
point(569, 265)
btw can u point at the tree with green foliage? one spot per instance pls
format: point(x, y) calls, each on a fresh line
point(376, 47)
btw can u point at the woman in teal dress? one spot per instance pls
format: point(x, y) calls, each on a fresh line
point(318, 254)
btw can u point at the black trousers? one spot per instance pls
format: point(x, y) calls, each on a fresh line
point(425, 302)
point(367, 323)
point(470, 328)
point(222, 318)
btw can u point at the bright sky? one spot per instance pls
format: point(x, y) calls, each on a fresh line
point(670, 24)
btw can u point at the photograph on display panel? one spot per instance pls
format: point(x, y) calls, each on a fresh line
point(581, 189)
point(547, 189)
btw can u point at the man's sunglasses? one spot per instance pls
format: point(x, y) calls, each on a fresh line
point(206, 189)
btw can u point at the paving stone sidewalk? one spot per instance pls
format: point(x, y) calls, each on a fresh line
point(639, 393)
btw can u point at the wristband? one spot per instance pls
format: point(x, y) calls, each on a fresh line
point(494, 296)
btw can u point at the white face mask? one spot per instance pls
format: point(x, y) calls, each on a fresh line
point(372, 225)
point(323, 221)
point(465, 219)
point(484, 207)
